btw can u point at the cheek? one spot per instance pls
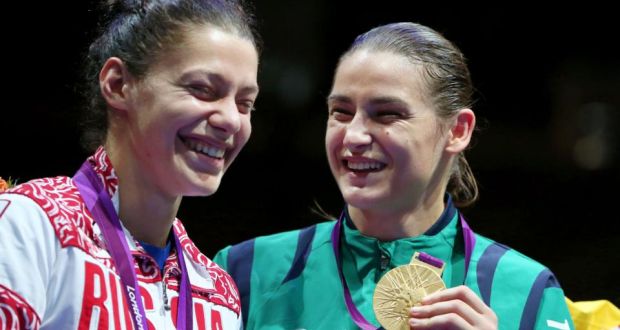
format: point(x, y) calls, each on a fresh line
point(246, 129)
point(333, 144)
point(334, 135)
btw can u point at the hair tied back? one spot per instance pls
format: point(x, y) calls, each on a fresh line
point(116, 7)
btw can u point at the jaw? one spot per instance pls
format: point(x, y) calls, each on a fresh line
point(361, 189)
point(206, 185)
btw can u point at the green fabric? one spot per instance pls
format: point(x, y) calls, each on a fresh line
point(362, 260)
point(549, 309)
point(314, 300)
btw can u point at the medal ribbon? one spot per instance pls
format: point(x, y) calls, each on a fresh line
point(358, 318)
point(100, 205)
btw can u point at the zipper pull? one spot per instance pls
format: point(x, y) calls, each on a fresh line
point(385, 261)
point(166, 305)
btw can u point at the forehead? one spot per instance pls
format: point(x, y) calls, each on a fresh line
point(206, 47)
point(370, 72)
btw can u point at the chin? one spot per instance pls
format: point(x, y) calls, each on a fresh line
point(200, 192)
point(360, 203)
point(360, 199)
point(204, 187)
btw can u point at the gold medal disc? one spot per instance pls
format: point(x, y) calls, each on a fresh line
point(400, 289)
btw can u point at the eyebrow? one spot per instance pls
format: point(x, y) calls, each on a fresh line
point(381, 100)
point(218, 79)
point(338, 98)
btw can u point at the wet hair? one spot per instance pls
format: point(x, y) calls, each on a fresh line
point(139, 32)
point(446, 78)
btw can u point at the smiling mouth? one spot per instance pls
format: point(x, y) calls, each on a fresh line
point(203, 148)
point(363, 167)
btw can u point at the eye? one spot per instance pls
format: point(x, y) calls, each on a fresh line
point(389, 115)
point(246, 106)
point(201, 91)
point(340, 114)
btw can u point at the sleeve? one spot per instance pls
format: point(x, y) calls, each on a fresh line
point(546, 305)
point(27, 245)
point(553, 312)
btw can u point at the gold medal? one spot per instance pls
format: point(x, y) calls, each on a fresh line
point(402, 288)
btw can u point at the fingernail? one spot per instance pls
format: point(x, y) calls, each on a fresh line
point(414, 322)
point(415, 309)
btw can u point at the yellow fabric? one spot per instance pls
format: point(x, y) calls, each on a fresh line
point(594, 315)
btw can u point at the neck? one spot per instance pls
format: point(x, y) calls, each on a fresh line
point(148, 218)
point(146, 211)
point(389, 225)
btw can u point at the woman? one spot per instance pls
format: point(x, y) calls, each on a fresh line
point(399, 121)
point(173, 86)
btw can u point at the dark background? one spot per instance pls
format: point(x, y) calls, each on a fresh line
point(546, 155)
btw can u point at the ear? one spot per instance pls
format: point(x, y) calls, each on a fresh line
point(461, 131)
point(114, 82)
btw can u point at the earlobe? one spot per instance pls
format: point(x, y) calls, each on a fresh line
point(113, 80)
point(461, 131)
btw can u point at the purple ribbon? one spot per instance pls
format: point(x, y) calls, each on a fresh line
point(429, 259)
point(358, 318)
point(100, 205)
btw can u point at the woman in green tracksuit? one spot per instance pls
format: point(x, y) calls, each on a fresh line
point(399, 121)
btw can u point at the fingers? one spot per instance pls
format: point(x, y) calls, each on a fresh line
point(444, 321)
point(454, 308)
point(461, 293)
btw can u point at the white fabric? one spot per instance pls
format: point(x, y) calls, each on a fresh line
point(55, 274)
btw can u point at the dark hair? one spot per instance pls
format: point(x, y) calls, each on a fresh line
point(138, 32)
point(446, 76)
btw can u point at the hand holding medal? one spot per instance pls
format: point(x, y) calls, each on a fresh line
point(404, 287)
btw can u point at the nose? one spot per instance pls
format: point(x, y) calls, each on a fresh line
point(226, 118)
point(357, 137)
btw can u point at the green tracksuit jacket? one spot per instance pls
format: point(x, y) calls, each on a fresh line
point(290, 280)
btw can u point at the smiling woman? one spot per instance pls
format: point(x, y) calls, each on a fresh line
point(198, 99)
point(384, 142)
point(401, 254)
point(163, 122)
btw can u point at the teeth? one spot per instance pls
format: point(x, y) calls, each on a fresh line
point(361, 166)
point(211, 151)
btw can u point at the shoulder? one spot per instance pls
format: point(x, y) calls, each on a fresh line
point(280, 245)
point(318, 234)
point(28, 253)
point(490, 255)
point(49, 195)
point(58, 201)
point(23, 222)
point(518, 288)
point(45, 188)
point(38, 204)
point(273, 257)
point(502, 271)
point(14, 205)
point(262, 264)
